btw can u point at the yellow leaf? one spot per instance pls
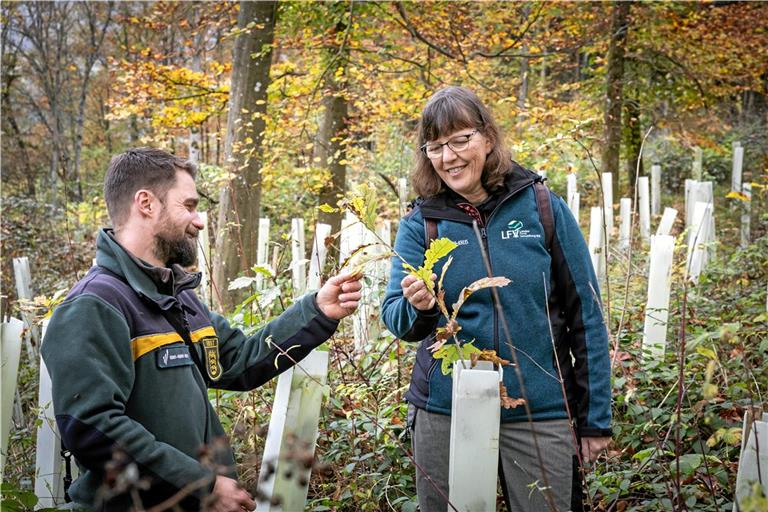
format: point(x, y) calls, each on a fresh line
point(326, 208)
point(737, 195)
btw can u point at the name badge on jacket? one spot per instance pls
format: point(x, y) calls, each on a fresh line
point(170, 357)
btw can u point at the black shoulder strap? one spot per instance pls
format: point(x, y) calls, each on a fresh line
point(543, 204)
point(430, 231)
point(546, 216)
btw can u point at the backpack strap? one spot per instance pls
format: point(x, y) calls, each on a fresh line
point(430, 231)
point(544, 205)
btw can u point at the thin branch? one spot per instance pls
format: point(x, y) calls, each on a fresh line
point(630, 252)
point(408, 25)
point(516, 365)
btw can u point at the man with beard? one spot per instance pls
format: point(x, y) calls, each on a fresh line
point(132, 351)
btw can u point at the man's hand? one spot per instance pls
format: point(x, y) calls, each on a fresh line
point(416, 292)
point(592, 446)
point(230, 497)
point(339, 296)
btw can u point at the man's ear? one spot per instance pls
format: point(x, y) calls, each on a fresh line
point(146, 202)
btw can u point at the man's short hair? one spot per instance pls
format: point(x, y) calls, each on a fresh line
point(140, 168)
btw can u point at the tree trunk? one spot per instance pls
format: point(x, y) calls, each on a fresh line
point(95, 35)
point(522, 93)
point(9, 62)
point(615, 84)
point(195, 141)
point(330, 148)
point(633, 138)
point(239, 200)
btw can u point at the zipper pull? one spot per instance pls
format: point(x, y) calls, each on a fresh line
point(483, 233)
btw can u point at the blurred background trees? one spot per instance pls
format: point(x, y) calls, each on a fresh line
point(335, 95)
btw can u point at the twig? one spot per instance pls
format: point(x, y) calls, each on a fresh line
point(518, 373)
point(605, 234)
point(576, 446)
point(378, 426)
point(630, 253)
point(183, 493)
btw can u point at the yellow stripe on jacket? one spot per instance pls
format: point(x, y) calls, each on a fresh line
point(143, 344)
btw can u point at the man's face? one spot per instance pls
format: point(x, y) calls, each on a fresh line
point(178, 225)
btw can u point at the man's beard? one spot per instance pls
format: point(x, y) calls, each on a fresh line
point(182, 250)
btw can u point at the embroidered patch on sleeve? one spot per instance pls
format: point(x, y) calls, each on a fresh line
point(212, 363)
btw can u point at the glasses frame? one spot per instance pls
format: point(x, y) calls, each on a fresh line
point(469, 136)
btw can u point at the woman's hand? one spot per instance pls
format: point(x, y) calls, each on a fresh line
point(417, 293)
point(592, 446)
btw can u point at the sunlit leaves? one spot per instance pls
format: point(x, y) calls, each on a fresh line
point(172, 96)
point(362, 256)
point(737, 195)
point(438, 249)
point(364, 205)
point(450, 353)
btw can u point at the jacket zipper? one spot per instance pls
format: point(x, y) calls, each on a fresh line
point(198, 373)
point(484, 234)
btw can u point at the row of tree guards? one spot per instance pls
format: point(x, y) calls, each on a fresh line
point(699, 234)
point(293, 426)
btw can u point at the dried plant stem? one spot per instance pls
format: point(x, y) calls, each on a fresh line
point(571, 423)
point(630, 252)
point(518, 373)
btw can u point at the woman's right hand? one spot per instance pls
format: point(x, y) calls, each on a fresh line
point(417, 293)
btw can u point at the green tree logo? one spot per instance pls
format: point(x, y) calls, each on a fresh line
point(515, 226)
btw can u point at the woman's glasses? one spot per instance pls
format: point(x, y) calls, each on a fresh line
point(456, 144)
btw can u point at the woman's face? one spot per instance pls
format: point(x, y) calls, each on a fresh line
point(461, 169)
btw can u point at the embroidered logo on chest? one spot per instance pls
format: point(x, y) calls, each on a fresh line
point(516, 229)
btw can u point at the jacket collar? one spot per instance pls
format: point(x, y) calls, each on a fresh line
point(159, 284)
point(443, 205)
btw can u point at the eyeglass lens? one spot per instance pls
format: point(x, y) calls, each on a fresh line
point(459, 143)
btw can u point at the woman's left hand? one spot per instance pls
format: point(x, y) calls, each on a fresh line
point(592, 446)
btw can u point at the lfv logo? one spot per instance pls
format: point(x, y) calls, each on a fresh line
point(515, 230)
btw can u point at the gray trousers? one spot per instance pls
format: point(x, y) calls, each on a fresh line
point(520, 470)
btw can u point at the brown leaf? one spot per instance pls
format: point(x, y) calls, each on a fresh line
point(437, 345)
point(449, 330)
point(506, 401)
point(485, 282)
point(489, 355)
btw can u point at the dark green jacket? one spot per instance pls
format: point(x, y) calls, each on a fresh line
point(131, 364)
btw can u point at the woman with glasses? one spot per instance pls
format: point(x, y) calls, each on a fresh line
point(464, 174)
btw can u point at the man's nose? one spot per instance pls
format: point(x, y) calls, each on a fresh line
point(197, 221)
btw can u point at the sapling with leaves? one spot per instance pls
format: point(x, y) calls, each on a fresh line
point(363, 206)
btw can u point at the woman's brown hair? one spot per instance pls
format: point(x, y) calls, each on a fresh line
point(447, 111)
